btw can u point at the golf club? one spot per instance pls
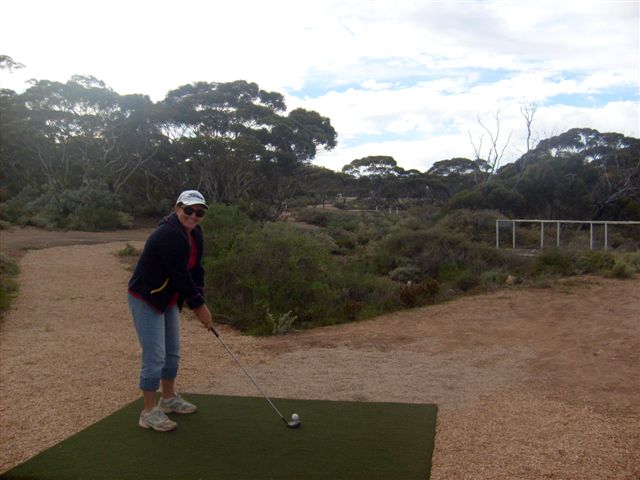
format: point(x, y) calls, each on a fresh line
point(295, 421)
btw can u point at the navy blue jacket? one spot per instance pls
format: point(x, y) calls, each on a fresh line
point(162, 269)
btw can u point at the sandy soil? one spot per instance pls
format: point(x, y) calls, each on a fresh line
point(530, 383)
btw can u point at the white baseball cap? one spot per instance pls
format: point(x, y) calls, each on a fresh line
point(191, 197)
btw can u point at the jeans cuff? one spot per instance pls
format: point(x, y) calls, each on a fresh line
point(169, 373)
point(150, 384)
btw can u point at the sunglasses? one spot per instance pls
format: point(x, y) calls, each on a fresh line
point(190, 210)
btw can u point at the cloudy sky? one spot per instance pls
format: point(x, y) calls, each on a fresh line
point(413, 79)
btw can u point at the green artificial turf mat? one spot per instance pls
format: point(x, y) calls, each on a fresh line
point(243, 438)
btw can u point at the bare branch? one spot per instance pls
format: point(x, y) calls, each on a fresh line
point(477, 149)
point(528, 111)
point(496, 152)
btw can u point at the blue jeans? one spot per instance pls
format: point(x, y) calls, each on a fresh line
point(159, 335)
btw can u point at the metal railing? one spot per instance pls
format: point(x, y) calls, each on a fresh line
point(542, 223)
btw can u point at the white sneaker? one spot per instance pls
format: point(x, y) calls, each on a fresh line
point(176, 404)
point(157, 420)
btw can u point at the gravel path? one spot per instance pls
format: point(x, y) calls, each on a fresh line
point(530, 384)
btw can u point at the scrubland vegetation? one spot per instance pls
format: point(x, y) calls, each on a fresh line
point(274, 277)
point(78, 155)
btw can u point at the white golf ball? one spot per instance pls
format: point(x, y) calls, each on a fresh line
point(295, 417)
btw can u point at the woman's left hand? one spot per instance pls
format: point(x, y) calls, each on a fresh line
point(204, 315)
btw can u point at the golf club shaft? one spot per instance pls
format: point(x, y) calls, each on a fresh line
point(213, 330)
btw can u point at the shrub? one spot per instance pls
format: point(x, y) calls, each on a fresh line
point(595, 261)
point(633, 260)
point(379, 295)
point(98, 218)
point(476, 226)
point(556, 262)
point(493, 279)
point(467, 281)
point(89, 207)
point(128, 251)
point(280, 324)
point(277, 268)
point(406, 274)
point(366, 294)
point(349, 228)
point(344, 240)
point(352, 309)
point(622, 270)
point(430, 249)
point(224, 226)
point(421, 293)
point(399, 249)
point(624, 241)
point(458, 277)
point(316, 217)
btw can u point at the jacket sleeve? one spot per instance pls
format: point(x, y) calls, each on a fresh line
point(174, 253)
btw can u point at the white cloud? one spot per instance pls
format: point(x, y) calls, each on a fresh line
point(406, 78)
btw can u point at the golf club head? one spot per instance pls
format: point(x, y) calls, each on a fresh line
point(293, 424)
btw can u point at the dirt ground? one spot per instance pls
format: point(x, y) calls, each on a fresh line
point(530, 383)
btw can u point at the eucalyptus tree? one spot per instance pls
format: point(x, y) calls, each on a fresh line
point(409, 188)
point(616, 159)
point(9, 64)
point(375, 173)
point(81, 131)
point(234, 140)
point(455, 174)
point(320, 185)
point(16, 174)
point(580, 173)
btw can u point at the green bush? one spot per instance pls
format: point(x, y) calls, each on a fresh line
point(458, 277)
point(406, 274)
point(345, 241)
point(128, 251)
point(492, 279)
point(556, 262)
point(276, 277)
point(430, 250)
point(91, 207)
point(276, 269)
point(98, 218)
point(376, 294)
point(476, 226)
point(223, 227)
point(349, 229)
point(595, 261)
point(282, 324)
point(632, 259)
point(622, 270)
point(313, 216)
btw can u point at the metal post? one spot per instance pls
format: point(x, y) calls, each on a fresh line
point(541, 234)
point(591, 236)
point(513, 240)
point(497, 234)
point(606, 236)
point(558, 235)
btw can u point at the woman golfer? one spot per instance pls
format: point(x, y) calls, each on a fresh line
point(169, 273)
